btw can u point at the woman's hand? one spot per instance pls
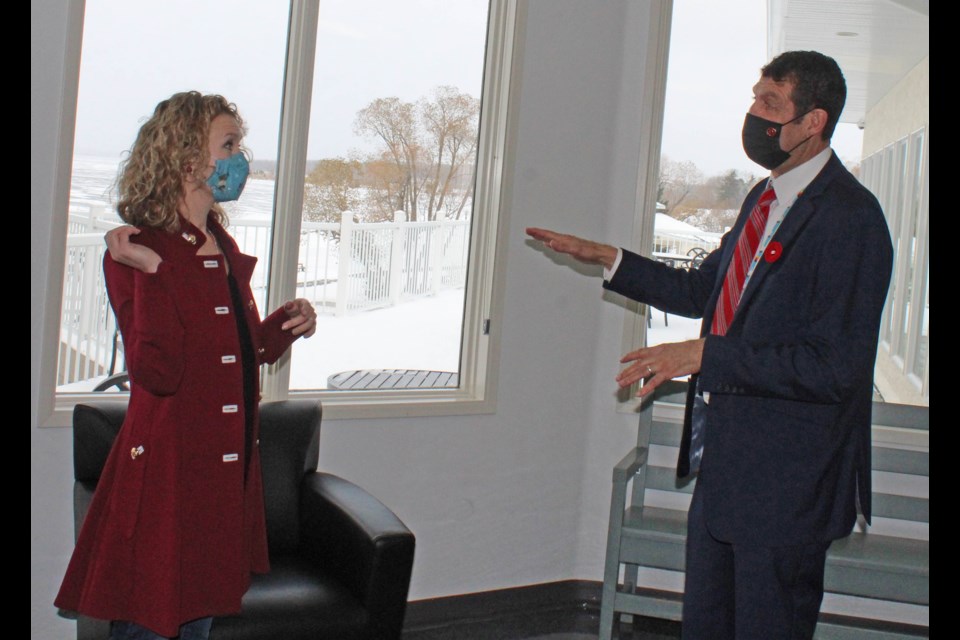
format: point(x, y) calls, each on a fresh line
point(303, 319)
point(133, 255)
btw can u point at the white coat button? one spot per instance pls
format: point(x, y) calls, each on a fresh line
point(230, 457)
point(228, 359)
point(229, 408)
point(211, 264)
point(221, 311)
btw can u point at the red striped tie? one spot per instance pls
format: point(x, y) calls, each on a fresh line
point(742, 257)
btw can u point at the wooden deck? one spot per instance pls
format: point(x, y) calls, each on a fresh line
point(393, 379)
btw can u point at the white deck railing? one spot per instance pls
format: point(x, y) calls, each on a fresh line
point(343, 268)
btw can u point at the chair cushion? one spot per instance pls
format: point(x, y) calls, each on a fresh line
point(95, 427)
point(294, 601)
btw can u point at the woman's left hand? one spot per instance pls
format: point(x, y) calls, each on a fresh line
point(303, 319)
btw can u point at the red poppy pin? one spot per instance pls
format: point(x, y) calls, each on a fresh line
point(773, 251)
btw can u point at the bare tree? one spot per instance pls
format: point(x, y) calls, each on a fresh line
point(330, 189)
point(384, 182)
point(394, 122)
point(431, 145)
point(450, 123)
point(677, 181)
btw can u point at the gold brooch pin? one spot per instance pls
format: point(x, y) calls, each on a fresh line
point(189, 237)
point(136, 451)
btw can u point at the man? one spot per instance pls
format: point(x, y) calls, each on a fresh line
point(777, 422)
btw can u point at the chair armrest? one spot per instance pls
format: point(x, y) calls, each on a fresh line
point(353, 536)
point(630, 464)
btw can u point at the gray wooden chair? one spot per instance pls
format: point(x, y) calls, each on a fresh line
point(886, 567)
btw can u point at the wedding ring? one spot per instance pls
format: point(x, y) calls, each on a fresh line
point(649, 369)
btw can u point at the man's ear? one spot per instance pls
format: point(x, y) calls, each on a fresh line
point(817, 121)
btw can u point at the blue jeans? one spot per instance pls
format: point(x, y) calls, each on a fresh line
point(198, 629)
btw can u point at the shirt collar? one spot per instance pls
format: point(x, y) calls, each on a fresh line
point(790, 184)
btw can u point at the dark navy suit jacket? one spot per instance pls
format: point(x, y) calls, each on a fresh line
point(787, 441)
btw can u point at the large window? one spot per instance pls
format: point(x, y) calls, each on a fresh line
point(375, 128)
point(704, 176)
point(898, 175)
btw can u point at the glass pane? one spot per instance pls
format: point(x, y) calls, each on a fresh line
point(919, 297)
point(704, 174)
point(904, 248)
point(891, 190)
point(136, 54)
point(923, 343)
point(388, 192)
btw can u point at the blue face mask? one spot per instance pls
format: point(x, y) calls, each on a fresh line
point(229, 177)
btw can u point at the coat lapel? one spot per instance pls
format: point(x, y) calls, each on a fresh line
point(802, 211)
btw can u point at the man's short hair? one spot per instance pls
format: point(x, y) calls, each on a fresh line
point(817, 83)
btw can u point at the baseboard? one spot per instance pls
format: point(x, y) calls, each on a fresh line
point(565, 595)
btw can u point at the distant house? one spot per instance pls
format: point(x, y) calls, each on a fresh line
point(674, 239)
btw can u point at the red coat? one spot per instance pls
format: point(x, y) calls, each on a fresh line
point(173, 532)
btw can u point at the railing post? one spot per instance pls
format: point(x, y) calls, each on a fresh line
point(436, 257)
point(96, 212)
point(343, 272)
point(397, 253)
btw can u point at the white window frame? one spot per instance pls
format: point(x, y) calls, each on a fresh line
point(634, 333)
point(483, 295)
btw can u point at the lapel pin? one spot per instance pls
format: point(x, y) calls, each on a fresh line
point(773, 251)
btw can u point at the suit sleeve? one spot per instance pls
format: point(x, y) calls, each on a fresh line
point(150, 323)
point(677, 291)
point(833, 348)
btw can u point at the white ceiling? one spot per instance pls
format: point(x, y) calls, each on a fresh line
point(875, 42)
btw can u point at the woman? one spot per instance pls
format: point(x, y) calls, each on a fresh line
point(177, 522)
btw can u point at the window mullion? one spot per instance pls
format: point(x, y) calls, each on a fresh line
point(291, 167)
point(648, 168)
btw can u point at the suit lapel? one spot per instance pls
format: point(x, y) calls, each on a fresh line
point(802, 211)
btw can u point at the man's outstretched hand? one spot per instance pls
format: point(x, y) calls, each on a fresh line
point(585, 251)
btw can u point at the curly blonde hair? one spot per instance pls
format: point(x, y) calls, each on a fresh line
point(176, 137)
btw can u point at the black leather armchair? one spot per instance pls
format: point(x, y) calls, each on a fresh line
point(340, 560)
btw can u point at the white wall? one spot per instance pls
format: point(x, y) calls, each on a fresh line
point(512, 498)
point(901, 112)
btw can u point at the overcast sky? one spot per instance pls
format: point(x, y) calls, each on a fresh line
point(716, 52)
point(136, 53)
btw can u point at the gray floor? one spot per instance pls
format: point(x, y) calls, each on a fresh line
point(561, 625)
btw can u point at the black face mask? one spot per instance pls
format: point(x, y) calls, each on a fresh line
point(761, 141)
